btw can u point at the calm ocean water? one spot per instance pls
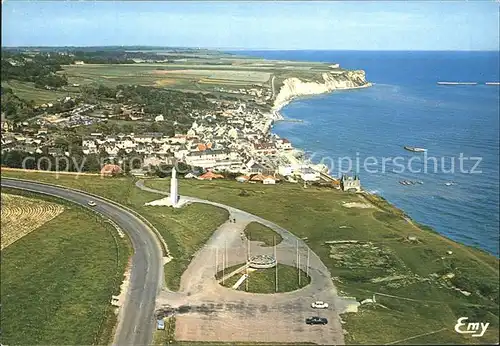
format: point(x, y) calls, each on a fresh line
point(407, 107)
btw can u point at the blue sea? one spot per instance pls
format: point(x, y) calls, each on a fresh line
point(405, 106)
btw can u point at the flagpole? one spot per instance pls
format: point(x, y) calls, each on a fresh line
point(216, 260)
point(276, 260)
point(248, 262)
point(223, 267)
point(297, 262)
point(299, 270)
point(307, 269)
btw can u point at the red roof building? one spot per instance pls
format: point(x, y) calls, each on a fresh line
point(110, 170)
point(210, 175)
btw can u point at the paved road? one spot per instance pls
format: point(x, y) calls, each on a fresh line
point(137, 320)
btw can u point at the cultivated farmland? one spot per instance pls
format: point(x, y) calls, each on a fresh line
point(22, 215)
point(57, 281)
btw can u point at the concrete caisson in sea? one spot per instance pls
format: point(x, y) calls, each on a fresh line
point(457, 83)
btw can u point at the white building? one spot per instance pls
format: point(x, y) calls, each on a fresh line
point(285, 170)
point(269, 181)
point(308, 174)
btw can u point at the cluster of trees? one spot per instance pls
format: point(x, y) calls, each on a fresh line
point(51, 80)
point(74, 163)
point(103, 57)
point(14, 107)
point(40, 69)
point(175, 106)
point(113, 128)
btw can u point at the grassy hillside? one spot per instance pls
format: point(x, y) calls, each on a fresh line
point(184, 230)
point(416, 282)
point(57, 281)
point(408, 277)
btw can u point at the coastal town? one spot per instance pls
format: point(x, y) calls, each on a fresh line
point(242, 144)
point(226, 135)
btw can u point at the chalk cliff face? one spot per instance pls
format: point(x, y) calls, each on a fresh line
point(293, 87)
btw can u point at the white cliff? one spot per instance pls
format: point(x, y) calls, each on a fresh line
point(294, 87)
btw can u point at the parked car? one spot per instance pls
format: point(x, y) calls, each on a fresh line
point(316, 320)
point(319, 305)
point(91, 204)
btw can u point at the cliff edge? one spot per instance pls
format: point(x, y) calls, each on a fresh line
point(334, 80)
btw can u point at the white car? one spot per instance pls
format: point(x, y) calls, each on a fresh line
point(319, 305)
point(91, 204)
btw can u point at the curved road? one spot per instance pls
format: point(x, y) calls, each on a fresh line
point(136, 320)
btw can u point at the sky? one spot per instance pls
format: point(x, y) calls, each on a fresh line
point(330, 25)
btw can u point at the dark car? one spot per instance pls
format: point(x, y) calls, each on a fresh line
point(316, 320)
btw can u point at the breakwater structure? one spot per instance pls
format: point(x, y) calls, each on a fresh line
point(467, 83)
point(457, 83)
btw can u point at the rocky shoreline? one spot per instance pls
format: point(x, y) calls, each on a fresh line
point(294, 88)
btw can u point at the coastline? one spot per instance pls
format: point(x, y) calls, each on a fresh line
point(275, 115)
point(374, 198)
point(275, 110)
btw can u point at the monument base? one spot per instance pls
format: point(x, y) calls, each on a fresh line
point(166, 201)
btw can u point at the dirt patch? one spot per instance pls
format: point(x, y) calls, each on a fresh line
point(357, 205)
point(163, 72)
point(164, 82)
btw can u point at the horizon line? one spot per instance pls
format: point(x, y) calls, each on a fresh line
point(250, 49)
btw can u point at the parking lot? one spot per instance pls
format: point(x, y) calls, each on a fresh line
point(207, 311)
point(254, 322)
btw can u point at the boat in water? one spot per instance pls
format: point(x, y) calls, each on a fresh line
point(450, 183)
point(410, 182)
point(414, 149)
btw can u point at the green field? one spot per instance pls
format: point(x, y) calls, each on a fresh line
point(407, 277)
point(196, 74)
point(258, 232)
point(193, 74)
point(426, 306)
point(264, 280)
point(27, 91)
point(176, 76)
point(58, 280)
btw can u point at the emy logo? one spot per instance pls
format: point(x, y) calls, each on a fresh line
point(477, 329)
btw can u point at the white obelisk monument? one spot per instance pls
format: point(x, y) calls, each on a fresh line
point(174, 192)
